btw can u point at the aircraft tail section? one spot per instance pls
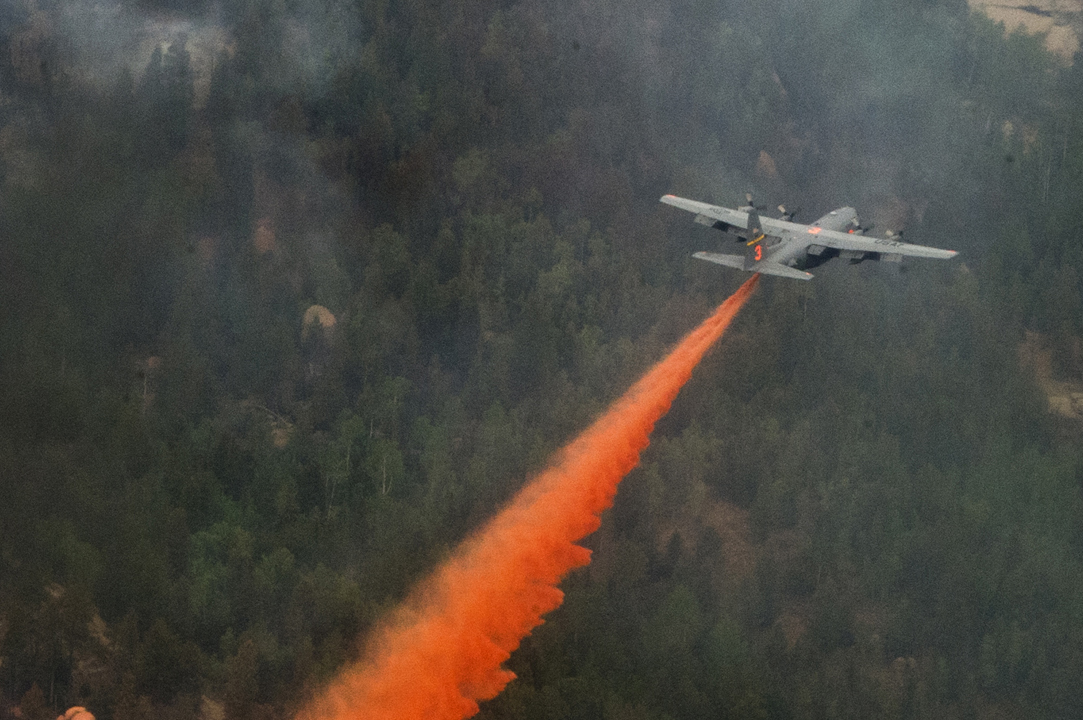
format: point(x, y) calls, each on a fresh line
point(733, 261)
point(765, 267)
point(754, 255)
point(773, 268)
point(755, 227)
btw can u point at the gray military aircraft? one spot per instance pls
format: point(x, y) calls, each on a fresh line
point(783, 247)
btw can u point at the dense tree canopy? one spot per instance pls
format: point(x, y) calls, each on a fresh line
point(293, 295)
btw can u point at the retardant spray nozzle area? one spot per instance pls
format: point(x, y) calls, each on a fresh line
point(442, 651)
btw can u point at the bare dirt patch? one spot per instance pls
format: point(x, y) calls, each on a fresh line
point(1065, 396)
point(1060, 21)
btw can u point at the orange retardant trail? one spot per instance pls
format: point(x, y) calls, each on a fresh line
point(442, 651)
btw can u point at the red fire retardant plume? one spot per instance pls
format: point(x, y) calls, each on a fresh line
point(442, 651)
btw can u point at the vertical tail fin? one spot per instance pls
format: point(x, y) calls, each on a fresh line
point(755, 241)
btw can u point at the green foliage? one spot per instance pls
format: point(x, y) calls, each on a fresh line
point(858, 507)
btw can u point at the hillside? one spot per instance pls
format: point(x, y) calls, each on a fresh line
point(296, 295)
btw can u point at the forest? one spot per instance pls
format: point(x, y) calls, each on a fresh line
point(294, 294)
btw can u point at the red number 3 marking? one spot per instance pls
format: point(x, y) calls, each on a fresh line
point(759, 253)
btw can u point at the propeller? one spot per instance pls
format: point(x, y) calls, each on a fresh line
point(788, 215)
point(750, 204)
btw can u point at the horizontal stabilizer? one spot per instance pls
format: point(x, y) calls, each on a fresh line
point(733, 261)
point(766, 268)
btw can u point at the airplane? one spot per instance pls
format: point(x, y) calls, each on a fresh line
point(783, 247)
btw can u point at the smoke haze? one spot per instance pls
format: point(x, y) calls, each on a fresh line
point(469, 191)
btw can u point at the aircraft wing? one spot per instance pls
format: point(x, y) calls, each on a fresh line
point(707, 214)
point(860, 243)
point(723, 218)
